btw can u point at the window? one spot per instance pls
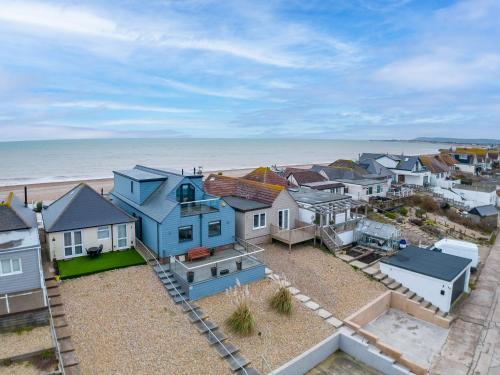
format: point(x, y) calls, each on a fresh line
point(186, 233)
point(259, 221)
point(122, 236)
point(283, 219)
point(131, 186)
point(185, 193)
point(73, 243)
point(214, 228)
point(379, 188)
point(103, 233)
point(370, 190)
point(10, 267)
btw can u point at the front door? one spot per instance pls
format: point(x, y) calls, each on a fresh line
point(73, 243)
point(401, 178)
point(284, 219)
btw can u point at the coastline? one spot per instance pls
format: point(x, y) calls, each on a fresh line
point(52, 190)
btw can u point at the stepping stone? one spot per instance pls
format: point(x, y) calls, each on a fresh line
point(417, 298)
point(371, 271)
point(285, 284)
point(215, 336)
point(205, 325)
point(409, 294)
point(247, 371)
point(345, 258)
point(324, 313)
point(63, 333)
point(425, 303)
point(402, 290)
point(273, 276)
point(380, 276)
point(226, 348)
point(268, 271)
point(57, 311)
point(175, 293)
point(69, 359)
point(312, 305)
point(387, 281)
point(236, 361)
point(178, 299)
point(334, 322)
point(293, 290)
point(196, 316)
point(170, 286)
point(394, 285)
point(65, 345)
point(166, 275)
point(60, 322)
point(302, 297)
point(187, 307)
point(357, 264)
point(55, 301)
point(54, 292)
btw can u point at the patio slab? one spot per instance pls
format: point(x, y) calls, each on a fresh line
point(312, 305)
point(334, 322)
point(293, 290)
point(324, 313)
point(302, 297)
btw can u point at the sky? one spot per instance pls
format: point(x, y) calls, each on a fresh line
point(345, 69)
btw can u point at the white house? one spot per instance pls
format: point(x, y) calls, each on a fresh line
point(476, 195)
point(82, 219)
point(437, 277)
point(364, 189)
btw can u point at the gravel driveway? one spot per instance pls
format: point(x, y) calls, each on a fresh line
point(323, 277)
point(122, 322)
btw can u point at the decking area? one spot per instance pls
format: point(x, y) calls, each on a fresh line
point(290, 237)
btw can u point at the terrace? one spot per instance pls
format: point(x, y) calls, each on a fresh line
point(200, 207)
point(219, 271)
point(301, 233)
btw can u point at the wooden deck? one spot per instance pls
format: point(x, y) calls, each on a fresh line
point(294, 236)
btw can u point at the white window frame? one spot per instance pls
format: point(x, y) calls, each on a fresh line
point(261, 225)
point(102, 229)
point(282, 212)
point(11, 265)
point(118, 238)
point(73, 244)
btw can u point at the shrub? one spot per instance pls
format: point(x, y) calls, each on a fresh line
point(419, 212)
point(429, 204)
point(445, 206)
point(429, 222)
point(38, 206)
point(241, 321)
point(403, 211)
point(416, 200)
point(391, 215)
point(281, 301)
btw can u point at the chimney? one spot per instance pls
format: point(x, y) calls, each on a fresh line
point(194, 170)
point(182, 171)
point(102, 191)
point(25, 196)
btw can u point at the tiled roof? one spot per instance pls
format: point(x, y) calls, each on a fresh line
point(223, 186)
point(348, 164)
point(447, 159)
point(434, 163)
point(267, 176)
point(306, 176)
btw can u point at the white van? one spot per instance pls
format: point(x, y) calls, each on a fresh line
point(459, 248)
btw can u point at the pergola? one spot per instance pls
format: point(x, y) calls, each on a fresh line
point(334, 207)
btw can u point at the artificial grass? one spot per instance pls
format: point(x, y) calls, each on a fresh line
point(86, 265)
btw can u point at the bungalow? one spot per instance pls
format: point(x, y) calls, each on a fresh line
point(22, 285)
point(82, 219)
point(407, 169)
point(267, 176)
point(437, 277)
point(439, 169)
point(474, 160)
point(259, 206)
point(174, 213)
point(485, 215)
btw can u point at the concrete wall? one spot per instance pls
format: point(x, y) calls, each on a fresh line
point(89, 239)
point(347, 237)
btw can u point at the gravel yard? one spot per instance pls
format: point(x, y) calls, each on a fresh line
point(24, 368)
point(326, 279)
point(123, 322)
point(22, 342)
point(279, 338)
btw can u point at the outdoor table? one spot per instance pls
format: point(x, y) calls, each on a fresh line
point(93, 251)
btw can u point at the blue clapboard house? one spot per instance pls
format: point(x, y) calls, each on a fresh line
point(174, 216)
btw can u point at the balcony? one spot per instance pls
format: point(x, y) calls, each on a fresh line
point(200, 207)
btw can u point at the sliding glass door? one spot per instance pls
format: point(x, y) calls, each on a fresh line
point(73, 243)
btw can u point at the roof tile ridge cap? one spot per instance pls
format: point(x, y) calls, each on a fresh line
point(82, 185)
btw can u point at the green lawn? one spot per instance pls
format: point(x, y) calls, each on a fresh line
point(86, 265)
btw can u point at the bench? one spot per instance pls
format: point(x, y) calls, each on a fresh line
point(197, 253)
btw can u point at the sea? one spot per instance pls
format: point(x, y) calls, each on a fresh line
point(27, 162)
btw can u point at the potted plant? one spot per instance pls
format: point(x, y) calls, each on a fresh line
point(212, 251)
point(190, 276)
point(214, 270)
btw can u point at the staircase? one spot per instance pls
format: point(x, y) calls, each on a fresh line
point(330, 238)
point(397, 287)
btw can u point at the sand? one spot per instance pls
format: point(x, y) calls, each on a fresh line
point(52, 190)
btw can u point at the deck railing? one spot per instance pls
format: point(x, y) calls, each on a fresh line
point(296, 235)
point(198, 207)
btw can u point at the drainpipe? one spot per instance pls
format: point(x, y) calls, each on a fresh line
point(112, 239)
point(25, 196)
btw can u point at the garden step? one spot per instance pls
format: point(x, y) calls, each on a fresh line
point(63, 333)
point(402, 289)
point(380, 276)
point(226, 349)
point(160, 269)
point(73, 370)
point(425, 303)
point(417, 298)
point(60, 322)
point(442, 314)
point(237, 361)
point(178, 299)
point(433, 308)
point(196, 316)
point(409, 294)
point(65, 345)
point(55, 301)
point(69, 359)
point(387, 281)
point(189, 307)
point(57, 311)
point(215, 336)
point(394, 285)
point(247, 371)
point(205, 325)
point(51, 284)
point(47, 278)
point(372, 271)
point(175, 293)
point(54, 292)
point(171, 286)
point(166, 275)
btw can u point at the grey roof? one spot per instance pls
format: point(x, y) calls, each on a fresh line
point(482, 188)
point(378, 230)
point(140, 175)
point(367, 156)
point(335, 174)
point(82, 207)
point(322, 185)
point(16, 216)
point(311, 196)
point(362, 182)
point(375, 168)
point(405, 162)
point(488, 210)
point(427, 262)
point(244, 205)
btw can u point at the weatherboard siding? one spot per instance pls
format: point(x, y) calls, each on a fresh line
point(30, 276)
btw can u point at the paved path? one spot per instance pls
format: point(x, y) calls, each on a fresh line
point(473, 344)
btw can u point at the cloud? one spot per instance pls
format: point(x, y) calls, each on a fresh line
point(236, 93)
point(118, 107)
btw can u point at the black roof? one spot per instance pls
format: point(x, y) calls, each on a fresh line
point(427, 262)
point(16, 216)
point(244, 205)
point(82, 207)
point(483, 211)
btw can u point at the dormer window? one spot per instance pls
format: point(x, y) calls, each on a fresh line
point(185, 193)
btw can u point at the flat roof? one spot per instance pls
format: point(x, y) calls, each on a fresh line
point(18, 239)
point(362, 182)
point(243, 204)
point(140, 175)
point(485, 188)
point(320, 185)
point(427, 262)
point(312, 196)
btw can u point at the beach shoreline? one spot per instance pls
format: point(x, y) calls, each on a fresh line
point(48, 191)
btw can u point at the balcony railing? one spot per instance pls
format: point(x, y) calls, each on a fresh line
point(200, 207)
